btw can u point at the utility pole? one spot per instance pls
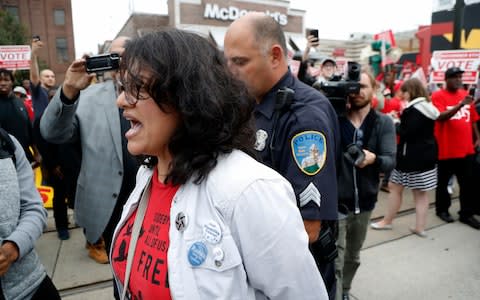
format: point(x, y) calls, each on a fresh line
point(458, 24)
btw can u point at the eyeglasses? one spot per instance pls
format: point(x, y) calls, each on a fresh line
point(132, 100)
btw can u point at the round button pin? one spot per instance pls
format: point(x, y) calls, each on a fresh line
point(212, 232)
point(197, 254)
point(218, 254)
point(181, 221)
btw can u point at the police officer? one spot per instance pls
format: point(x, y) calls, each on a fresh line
point(297, 128)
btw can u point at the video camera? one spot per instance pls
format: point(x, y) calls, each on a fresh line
point(102, 63)
point(338, 88)
point(354, 154)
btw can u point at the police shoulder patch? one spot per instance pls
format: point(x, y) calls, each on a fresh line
point(309, 151)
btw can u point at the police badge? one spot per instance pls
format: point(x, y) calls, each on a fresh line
point(261, 138)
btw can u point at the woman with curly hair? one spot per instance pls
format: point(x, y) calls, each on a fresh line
point(205, 220)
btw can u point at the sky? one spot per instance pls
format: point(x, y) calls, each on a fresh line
point(95, 21)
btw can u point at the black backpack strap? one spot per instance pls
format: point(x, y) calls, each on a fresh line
point(7, 146)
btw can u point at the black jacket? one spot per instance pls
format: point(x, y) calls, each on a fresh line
point(379, 139)
point(14, 119)
point(417, 149)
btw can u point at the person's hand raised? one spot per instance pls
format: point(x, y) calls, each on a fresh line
point(76, 79)
point(312, 41)
point(36, 46)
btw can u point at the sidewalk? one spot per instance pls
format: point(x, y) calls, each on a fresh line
point(395, 263)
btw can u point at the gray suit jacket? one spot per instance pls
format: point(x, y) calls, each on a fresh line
point(94, 119)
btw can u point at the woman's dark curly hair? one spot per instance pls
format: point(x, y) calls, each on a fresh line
point(188, 74)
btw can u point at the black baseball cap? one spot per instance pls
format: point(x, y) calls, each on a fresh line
point(451, 72)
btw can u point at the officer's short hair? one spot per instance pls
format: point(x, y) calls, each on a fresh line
point(269, 32)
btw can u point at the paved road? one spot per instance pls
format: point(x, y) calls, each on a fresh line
point(395, 264)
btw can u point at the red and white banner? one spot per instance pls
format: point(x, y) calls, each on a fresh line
point(467, 60)
point(15, 57)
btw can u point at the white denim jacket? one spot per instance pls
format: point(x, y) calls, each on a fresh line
point(264, 243)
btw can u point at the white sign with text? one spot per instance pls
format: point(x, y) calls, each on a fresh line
point(467, 60)
point(15, 57)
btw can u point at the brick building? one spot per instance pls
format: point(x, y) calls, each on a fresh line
point(52, 21)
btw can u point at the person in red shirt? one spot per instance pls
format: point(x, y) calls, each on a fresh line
point(453, 132)
point(393, 107)
point(186, 230)
point(21, 93)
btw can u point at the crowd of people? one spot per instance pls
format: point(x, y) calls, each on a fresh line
point(176, 158)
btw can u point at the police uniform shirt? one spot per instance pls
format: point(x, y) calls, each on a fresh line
point(304, 148)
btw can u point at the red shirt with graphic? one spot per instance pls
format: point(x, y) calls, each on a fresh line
point(149, 276)
point(454, 136)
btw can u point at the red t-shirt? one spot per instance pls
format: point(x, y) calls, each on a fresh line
point(149, 276)
point(29, 106)
point(393, 104)
point(454, 136)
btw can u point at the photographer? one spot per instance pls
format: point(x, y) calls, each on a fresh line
point(85, 113)
point(368, 143)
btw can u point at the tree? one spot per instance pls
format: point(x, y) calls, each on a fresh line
point(11, 31)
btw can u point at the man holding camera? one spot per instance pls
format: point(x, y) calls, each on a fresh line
point(86, 112)
point(368, 144)
point(297, 130)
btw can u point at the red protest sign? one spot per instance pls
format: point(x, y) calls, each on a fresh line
point(15, 57)
point(386, 36)
point(467, 60)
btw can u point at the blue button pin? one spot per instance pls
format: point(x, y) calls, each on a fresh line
point(197, 254)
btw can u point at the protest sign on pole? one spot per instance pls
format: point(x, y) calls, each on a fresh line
point(467, 60)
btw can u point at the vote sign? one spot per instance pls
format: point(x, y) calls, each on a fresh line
point(467, 60)
point(15, 57)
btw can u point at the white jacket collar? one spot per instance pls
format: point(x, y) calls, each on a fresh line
point(425, 107)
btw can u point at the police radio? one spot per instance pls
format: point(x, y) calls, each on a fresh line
point(283, 100)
